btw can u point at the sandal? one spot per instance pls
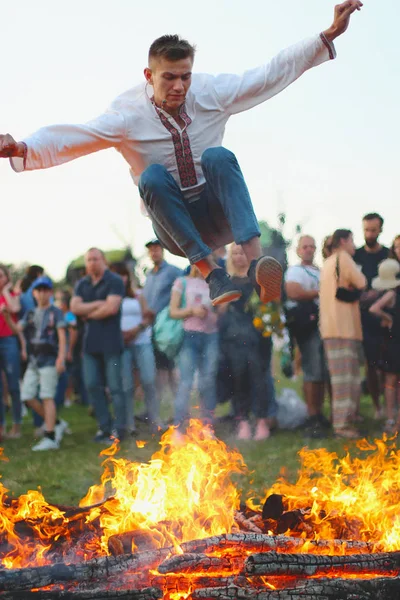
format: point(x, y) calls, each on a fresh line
point(347, 433)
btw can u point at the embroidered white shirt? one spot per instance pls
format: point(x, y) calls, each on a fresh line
point(145, 135)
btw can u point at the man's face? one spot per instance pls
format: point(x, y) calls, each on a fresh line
point(170, 80)
point(95, 263)
point(306, 249)
point(372, 231)
point(156, 253)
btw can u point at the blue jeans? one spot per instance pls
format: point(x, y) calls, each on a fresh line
point(199, 352)
point(142, 357)
point(62, 386)
point(101, 371)
point(223, 212)
point(10, 364)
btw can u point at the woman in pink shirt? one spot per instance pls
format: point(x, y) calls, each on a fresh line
point(9, 354)
point(199, 352)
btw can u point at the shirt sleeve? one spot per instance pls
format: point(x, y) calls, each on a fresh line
point(117, 287)
point(294, 275)
point(58, 144)
point(59, 319)
point(237, 93)
point(178, 286)
point(77, 290)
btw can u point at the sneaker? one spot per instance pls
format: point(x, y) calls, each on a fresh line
point(266, 276)
point(45, 444)
point(102, 437)
point(244, 431)
point(61, 428)
point(222, 289)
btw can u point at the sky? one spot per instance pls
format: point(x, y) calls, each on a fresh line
point(325, 151)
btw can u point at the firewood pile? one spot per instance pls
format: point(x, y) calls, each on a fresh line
point(231, 566)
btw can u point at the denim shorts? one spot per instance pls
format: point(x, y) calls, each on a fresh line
point(313, 361)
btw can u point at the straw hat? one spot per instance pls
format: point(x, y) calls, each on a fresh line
point(388, 271)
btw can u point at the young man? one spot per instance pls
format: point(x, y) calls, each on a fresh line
point(369, 257)
point(44, 330)
point(302, 291)
point(170, 130)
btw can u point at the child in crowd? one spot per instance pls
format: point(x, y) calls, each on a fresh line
point(64, 393)
point(44, 331)
point(387, 308)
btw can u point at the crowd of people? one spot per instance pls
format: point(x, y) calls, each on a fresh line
point(103, 342)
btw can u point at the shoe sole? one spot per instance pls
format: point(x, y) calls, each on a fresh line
point(269, 277)
point(227, 297)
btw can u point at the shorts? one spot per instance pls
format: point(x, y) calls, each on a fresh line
point(162, 361)
point(39, 379)
point(313, 360)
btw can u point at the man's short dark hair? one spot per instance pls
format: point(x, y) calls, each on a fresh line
point(171, 47)
point(373, 216)
point(338, 236)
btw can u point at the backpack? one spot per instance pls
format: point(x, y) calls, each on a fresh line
point(168, 333)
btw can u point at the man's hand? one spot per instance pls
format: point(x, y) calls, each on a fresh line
point(9, 147)
point(341, 19)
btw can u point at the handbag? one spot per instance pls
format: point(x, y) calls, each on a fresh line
point(302, 319)
point(168, 333)
point(344, 294)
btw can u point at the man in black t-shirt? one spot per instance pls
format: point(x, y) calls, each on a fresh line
point(369, 257)
point(97, 299)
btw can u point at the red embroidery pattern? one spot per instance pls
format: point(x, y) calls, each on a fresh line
point(183, 151)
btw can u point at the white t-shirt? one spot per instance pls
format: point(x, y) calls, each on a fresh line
point(131, 316)
point(306, 276)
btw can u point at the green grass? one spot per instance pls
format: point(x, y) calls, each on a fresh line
point(65, 476)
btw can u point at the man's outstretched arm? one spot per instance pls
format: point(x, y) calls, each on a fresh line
point(236, 93)
point(58, 144)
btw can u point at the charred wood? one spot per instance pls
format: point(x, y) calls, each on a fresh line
point(94, 594)
point(124, 543)
point(37, 577)
point(265, 543)
point(274, 563)
point(273, 507)
point(246, 523)
point(200, 563)
point(323, 589)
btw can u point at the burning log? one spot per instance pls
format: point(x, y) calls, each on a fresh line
point(273, 507)
point(266, 543)
point(322, 589)
point(245, 523)
point(123, 543)
point(274, 563)
point(94, 594)
point(38, 577)
point(199, 563)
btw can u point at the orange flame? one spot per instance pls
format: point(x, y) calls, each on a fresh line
point(186, 492)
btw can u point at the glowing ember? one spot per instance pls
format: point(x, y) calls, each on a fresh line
point(185, 492)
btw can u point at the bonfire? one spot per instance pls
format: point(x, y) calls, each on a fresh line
point(177, 527)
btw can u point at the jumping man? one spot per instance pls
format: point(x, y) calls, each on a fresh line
point(170, 129)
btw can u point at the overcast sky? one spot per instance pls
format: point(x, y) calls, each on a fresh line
point(326, 150)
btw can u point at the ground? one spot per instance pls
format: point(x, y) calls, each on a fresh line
point(65, 475)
